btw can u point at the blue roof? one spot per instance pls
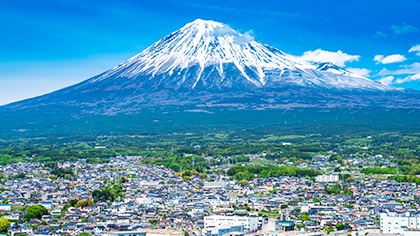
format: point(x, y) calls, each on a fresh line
point(286, 223)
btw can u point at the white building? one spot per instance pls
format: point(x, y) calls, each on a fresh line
point(410, 232)
point(146, 232)
point(215, 185)
point(5, 207)
point(249, 223)
point(327, 178)
point(392, 223)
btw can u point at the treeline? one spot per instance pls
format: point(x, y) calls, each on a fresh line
point(406, 179)
point(176, 163)
point(290, 154)
point(94, 160)
point(240, 172)
point(378, 170)
point(237, 159)
point(55, 153)
point(404, 170)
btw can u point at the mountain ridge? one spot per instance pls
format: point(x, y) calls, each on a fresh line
point(208, 64)
point(203, 46)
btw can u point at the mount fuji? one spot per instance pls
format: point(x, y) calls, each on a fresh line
point(207, 65)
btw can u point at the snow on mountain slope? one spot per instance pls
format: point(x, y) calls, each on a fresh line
point(208, 64)
point(208, 53)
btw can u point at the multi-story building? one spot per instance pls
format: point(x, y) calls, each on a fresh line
point(146, 232)
point(392, 223)
point(222, 230)
point(249, 223)
point(327, 178)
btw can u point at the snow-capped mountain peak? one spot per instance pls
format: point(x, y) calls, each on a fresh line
point(208, 54)
point(207, 64)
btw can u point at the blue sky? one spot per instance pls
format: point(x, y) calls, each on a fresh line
point(49, 44)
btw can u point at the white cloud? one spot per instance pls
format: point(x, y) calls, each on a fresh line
point(387, 80)
point(415, 49)
point(389, 59)
point(338, 58)
point(407, 73)
point(378, 57)
point(360, 71)
point(406, 69)
point(408, 79)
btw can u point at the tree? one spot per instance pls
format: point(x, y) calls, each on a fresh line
point(63, 173)
point(83, 234)
point(73, 202)
point(123, 179)
point(244, 182)
point(339, 226)
point(304, 217)
point(108, 193)
point(329, 229)
point(350, 179)
point(85, 203)
point(35, 212)
point(315, 199)
point(4, 224)
point(203, 176)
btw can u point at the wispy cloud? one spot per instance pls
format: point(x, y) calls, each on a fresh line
point(264, 12)
point(291, 15)
point(408, 79)
point(338, 58)
point(403, 29)
point(415, 49)
point(407, 73)
point(405, 70)
point(387, 80)
point(389, 59)
point(395, 30)
point(380, 34)
point(360, 71)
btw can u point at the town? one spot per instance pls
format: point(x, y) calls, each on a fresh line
point(127, 197)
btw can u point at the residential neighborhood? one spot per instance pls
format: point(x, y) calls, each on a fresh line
point(155, 200)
